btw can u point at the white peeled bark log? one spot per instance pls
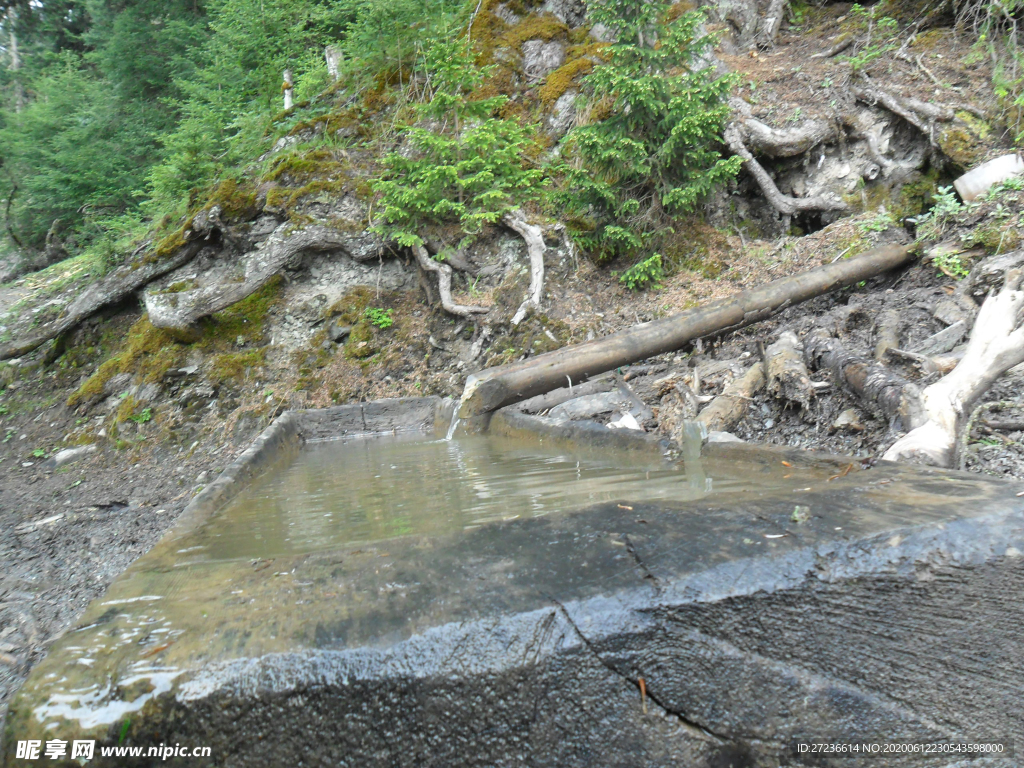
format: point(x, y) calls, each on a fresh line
point(534, 237)
point(444, 284)
point(996, 345)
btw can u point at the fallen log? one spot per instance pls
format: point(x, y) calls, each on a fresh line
point(882, 390)
point(494, 388)
point(996, 345)
point(787, 374)
point(726, 410)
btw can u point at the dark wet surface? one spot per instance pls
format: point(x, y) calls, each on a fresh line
point(363, 545)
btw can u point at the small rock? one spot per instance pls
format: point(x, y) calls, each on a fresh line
point(626, 421)
point(769, 423)
point(338, 333)
point(723, 437)
point(204, 477)
point(67, 456)
point(849, 419)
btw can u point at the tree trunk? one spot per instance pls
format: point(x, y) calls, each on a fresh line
point(494, 388)
point(287, 89)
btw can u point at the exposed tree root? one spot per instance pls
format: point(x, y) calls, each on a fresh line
point(784, 204)
point(836, 49)
point(179, 312)
point(996, 345)
point(444, 284)
point(534, 237)
point(116, 286)
point(729, 408)
point(787, 374)
point(919, 114)
point(766, 141)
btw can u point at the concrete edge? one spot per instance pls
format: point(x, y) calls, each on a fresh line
point(278, 442)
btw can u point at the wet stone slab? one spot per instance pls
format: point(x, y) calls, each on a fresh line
point(705, 612)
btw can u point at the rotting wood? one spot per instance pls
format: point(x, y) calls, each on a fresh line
point(729, 408)
point(786, 371)
point(888, 336)
point(494, 388)
point(884, 391)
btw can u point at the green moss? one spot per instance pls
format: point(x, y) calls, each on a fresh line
point(562, 79)
point(148, 353)
point(962, 145)
point(361, 342)
point(245, 319)
point(237, 202)
point(915, 197)
point(172, 242)
point(302, 165)
point(542, 26)
point(232, 367)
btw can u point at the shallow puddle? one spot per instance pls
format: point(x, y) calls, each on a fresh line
point(348, 545)
point(372, 489)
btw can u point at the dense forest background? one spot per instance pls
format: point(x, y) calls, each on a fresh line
point(114, 111)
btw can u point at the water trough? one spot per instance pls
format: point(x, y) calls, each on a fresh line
point(709, 610)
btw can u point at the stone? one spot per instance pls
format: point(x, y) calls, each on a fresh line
point(540, 58)
point(67, 456)
point(563, 114)
point(723, 437)
point(849, 419)
point(337, 332)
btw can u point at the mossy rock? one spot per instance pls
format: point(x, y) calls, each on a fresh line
point(234, 367)
point(361, 342)
point(963, 146)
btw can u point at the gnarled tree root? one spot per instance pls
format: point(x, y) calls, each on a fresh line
point(179, 312)
point(996, 345)
point(919, 114)
point(534, 237)
point(444, 284)
point(784, 204)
